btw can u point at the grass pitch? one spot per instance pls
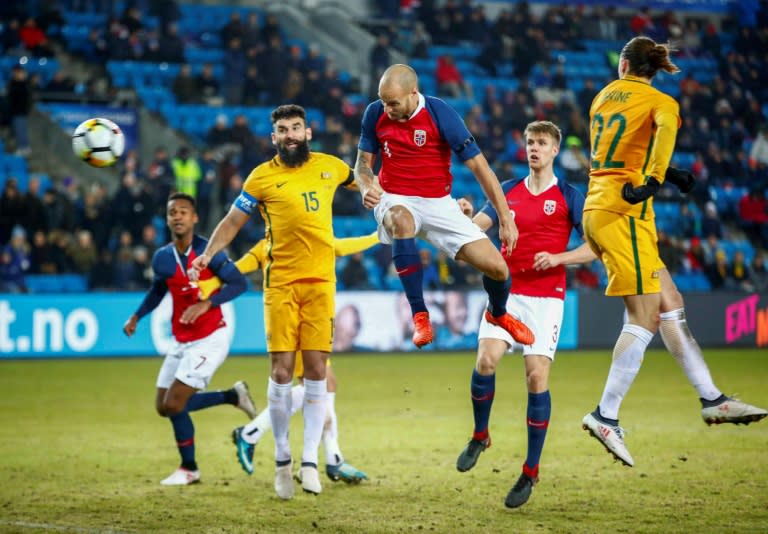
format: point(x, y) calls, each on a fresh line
point(81, 450)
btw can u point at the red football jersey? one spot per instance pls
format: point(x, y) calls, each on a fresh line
point(416, 153)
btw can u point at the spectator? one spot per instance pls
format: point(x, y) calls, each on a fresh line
point(753, 215)
point(83, 253)
point(11, 271)
point(208, 86)
point(574, 161)
point(34, 211)
point(103, 275)
point(34, 40)
point(759, 273)
point(717, 271)
point(171, 46)
point(670, 253)
point(185, 87)
point(187, 172)
point(160, 179)
point(60, 243)
point(739, 277)
point(41, 255)
point(379, 60)
point(354, 275)
point(450, 80)
point(19, 98)
point(235, 65)
point(710, 223)
point(12, 209)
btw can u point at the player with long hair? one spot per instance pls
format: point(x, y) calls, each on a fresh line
point(633, 127)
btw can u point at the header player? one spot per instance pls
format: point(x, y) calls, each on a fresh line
point(416, 135)
point(201, 341)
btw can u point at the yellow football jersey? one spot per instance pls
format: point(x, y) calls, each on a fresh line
point(295, 203)
point(633, 128)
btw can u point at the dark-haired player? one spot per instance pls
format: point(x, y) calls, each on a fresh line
point(294, 193)
point(201, 343)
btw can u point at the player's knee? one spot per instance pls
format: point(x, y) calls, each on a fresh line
point(536, 380)
point(497, 270)
point(171, 407)
point(282, 375)
point(486, 364)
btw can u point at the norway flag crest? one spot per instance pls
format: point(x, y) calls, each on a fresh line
point(420, 137)
point(550, 206)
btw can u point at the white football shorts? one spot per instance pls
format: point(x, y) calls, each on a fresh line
point(543, 315)
point(438, 220)
point(194, 362)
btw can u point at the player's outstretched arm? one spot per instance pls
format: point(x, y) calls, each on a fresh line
point(222, 236)
point(151, 300)
point(581, 254)
point(344, 246)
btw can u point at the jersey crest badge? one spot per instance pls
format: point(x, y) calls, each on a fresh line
point(550, 206)
point(420, 137)
point(325, 175)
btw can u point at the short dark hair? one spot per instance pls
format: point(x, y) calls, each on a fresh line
point(183, 196)
point(288, 111)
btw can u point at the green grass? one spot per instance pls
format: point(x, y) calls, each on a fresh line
point(81, 450)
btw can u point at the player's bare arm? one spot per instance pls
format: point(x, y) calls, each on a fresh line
point(490, 183)
point(366, 182)
point(222, 236)
point(581, 254)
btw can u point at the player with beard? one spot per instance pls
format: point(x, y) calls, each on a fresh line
point(200, 341)
point(294, 193)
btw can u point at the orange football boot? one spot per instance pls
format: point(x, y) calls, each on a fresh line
point(517, 329)
point(422, 329)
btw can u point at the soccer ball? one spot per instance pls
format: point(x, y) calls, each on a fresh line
point(98, 142)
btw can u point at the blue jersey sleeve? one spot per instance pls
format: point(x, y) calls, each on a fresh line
point(452, 128)
point(575, 201)
point(245, 202)
point(488, 208)
point(234, 281)
point(368, 140)
point(159, 288)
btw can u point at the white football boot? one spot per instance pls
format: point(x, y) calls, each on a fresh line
point(612, 438)
point(732, 411)
point(182, 477)
point(244, 399)
point(284, 481)
point(310, 479)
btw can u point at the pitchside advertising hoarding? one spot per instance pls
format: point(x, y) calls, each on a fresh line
point(722, 319)
point(45, 326)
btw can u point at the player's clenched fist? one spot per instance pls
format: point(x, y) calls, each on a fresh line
point(198, 265)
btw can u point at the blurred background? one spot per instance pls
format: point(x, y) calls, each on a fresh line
point(192, 86)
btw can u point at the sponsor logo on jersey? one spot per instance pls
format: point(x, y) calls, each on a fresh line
point(420, 137)
point(325, 175)
point(550, 206)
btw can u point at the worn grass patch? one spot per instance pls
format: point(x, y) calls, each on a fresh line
point(81, 450)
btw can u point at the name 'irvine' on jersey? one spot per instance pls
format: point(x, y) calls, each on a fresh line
point(295, 203)
point(624, 118)
point(416, 153)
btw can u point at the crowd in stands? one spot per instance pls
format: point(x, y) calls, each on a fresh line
point(80, 228)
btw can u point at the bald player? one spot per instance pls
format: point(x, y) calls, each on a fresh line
point(416, 135)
